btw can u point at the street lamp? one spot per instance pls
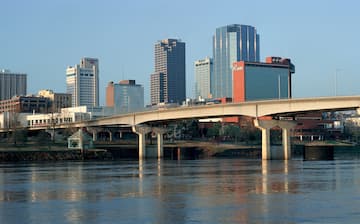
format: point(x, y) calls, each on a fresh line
point(335, 80)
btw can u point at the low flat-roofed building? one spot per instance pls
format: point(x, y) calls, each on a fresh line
point(26, 104)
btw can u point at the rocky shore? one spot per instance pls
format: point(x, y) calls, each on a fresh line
point(25, 154)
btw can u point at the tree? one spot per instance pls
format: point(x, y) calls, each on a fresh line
point(18, 133)
point(233, 132)
point(214, 131)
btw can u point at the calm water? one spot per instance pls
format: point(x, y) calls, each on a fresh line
point(187, 191)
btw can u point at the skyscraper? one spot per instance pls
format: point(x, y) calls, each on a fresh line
point(82, 81)
point(203, 70)
point(125, 96)
point(168, 80)
point(232, 43)
point(12, 84)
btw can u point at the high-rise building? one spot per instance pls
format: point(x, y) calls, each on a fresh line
point(82, 81)
point(12, 84)
point(168, 80)
point(232, 43)
point(125, 96)
point(158, 88)
point(262, 81)
point(203, 70)
point(57, 100)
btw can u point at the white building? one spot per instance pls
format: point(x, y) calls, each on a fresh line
point(12, 84)
point(125, 96)
point(82, 81)
point(11, 119)
point(67, 115)
point(203, 70)
point(50, 120)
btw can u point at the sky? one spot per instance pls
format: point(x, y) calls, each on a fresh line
point(41, 38)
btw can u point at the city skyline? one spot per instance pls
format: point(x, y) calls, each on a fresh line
point(37, 41)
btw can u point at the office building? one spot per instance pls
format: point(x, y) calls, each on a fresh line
point(168, 80)
point(262, 81)
point(12, 84)
point(125, 96)
point(57, 100)
point(158, 88)
point(231, 43)
point(25, 104)
point(203, 70)
point(82, 82)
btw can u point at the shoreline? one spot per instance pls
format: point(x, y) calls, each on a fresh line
point(177, 150)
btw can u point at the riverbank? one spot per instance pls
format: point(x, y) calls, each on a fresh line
point(54, 153)
point(176, 150)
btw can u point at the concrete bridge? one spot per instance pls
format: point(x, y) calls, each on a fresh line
point(276, 109)
point(257, 109)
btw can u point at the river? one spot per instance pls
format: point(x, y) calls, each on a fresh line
point(181, 191)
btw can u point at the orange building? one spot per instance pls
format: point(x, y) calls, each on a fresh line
point(262, 81)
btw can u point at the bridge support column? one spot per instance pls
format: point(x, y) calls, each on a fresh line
point(286, 143)
point(120, 134)
point(265, 126)
point(110, 136)
point(265, 138)
point(94, 132)
point(160, 140)
point(141, 131)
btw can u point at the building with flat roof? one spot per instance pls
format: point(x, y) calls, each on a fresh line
point(262, 81)
point(203, 71)
point(168, 81)
point(12, 84)
point(82, 82)
point(231, 43)
point(26, 104)
point(57, 100)
point(125, 96)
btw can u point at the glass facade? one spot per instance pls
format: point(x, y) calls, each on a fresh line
point(230, 44)
point(128, 98)
point(265, 82)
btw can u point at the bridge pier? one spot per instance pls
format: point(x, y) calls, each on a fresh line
point(141, 131)
point(94, 132)
point(160, 140)
point(265, 126)
point(110, 135)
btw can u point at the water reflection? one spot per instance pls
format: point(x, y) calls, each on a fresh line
point(183, 191)
point(281, 183)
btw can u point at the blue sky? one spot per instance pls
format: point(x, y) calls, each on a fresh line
point(41, 38)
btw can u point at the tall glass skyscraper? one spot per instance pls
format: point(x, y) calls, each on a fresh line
point(168, 81)
point(231, 43)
